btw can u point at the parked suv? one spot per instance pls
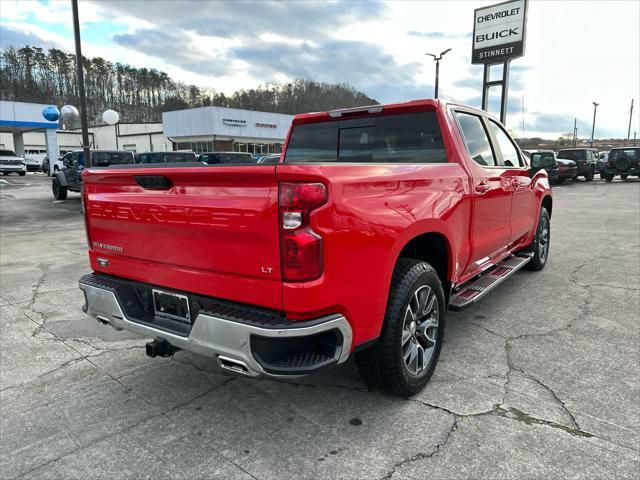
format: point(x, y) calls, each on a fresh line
point(624, 162)
point(165, 157)
point(376, 221)
point(544, 159)
point(585, 159)
point(601, 165)
point(69, 177)
point(12, 163)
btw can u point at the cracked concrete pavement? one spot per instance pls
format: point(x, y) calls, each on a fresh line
point(540, 379)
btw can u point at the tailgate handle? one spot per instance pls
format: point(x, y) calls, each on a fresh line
point(153, 182)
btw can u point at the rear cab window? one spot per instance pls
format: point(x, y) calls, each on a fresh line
point(397, 138)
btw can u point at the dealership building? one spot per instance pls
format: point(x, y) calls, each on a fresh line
point(210, 129)
point(205, 129)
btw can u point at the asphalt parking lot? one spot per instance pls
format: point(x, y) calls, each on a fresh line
point(540, 380)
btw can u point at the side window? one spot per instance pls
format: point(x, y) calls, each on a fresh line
point(589, 155)
point(509, 153)
point(476, 139)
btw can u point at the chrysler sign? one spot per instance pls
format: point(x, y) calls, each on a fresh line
point(498, 32)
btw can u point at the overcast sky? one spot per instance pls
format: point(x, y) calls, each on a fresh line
point(576, 51)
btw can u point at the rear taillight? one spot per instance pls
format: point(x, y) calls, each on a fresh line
point(301, 247)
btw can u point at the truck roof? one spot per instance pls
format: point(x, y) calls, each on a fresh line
point(409, 106)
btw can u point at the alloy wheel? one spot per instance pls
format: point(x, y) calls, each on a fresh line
point(543, 242)
point(420, 330)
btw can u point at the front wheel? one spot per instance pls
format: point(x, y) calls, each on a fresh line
point(589, 176)
point(59, 191)
point(609, 177)
point(405, 356)
point(624, 177)
point(540, 244)
point(22, 174)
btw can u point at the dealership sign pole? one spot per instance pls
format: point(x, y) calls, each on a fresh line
point(498, 38)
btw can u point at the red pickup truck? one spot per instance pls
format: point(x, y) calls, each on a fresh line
point(375, 222)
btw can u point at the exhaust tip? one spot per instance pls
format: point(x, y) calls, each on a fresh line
point(233, 365)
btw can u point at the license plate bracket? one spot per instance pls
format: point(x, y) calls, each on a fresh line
point(171, 305)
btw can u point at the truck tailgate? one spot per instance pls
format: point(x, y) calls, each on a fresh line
point(210, 230)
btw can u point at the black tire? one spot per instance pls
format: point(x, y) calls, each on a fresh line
point(22, 174)
point(59, 191)
point(383, 366)
point(609, 177)
point(540, 244)
point(589, 176)
point(602, 174)
point(5, 173)
point(559, 181)
point(624, 177)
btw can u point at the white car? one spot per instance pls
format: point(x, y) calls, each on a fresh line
point(12, 163)
point(34, 161)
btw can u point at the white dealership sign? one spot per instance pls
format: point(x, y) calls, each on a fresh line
point(499, 32)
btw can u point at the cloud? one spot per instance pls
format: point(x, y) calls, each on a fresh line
point(12, 37)
point(439, 35)
point(354, 62)
point(178, 49)
point(299, 19)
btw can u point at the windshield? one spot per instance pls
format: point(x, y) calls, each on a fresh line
point(228, 158)
point(104, 159)
point(7, 153)
point(542, 159)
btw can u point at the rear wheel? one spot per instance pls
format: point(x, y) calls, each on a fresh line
point(602, 174)
point(540, 244)
point(609, 177)
point(22, 174)
point(59, 191)
point(5, 173)
point(624, 177)
point(589, 176)
point(406, 354)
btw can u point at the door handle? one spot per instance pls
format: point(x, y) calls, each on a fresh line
point(482, 186)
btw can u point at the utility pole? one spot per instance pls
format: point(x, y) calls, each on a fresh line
point(630, 117)
point(437, 59)
point(575, 131)
point(80, 78)
point(593, 127)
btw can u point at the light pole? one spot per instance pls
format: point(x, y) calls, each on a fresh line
point(80, 76)
point(437, 58)
point(593, 127)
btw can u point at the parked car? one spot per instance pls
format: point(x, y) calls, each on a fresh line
point(12, 163)
point(585, 160)
point(567, 170)
point(269, 159)
point(215, 158)
point(69, 177)
point(544, 159)
point(378, 220)
point(601, 165)
point(165, 157)
point(34, 161)
point(624, 162)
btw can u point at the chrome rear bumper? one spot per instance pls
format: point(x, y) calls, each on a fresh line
point(229, 341)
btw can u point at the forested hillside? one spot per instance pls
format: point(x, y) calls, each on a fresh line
point(31, 74)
